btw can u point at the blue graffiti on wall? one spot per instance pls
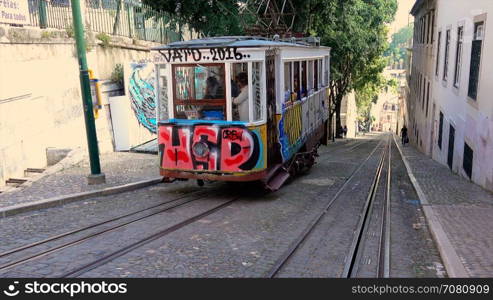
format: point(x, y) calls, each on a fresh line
point(143, 97)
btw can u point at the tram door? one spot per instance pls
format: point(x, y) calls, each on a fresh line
point(273, 156)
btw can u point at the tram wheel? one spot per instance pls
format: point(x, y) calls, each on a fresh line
point(200, 182)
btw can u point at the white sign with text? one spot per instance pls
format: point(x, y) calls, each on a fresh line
point(14, 12)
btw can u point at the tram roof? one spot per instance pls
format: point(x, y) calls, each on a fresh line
point(234, 41)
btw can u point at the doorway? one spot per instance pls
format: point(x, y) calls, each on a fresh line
point(451, 139)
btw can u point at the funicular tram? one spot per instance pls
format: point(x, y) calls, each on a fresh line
point(240, 108)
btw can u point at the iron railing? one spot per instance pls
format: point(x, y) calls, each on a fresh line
point(127, 18)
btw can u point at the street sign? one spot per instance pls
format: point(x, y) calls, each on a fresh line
point(14, 12)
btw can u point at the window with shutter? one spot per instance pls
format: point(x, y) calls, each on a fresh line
point(475, 60)
point(440, 131)
point(468, 157)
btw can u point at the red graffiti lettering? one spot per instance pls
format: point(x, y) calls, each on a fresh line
point(208, 136)
point(177, 156)
point(234, 134)
point(230, 149)
point(234, 161)
point(235, 151)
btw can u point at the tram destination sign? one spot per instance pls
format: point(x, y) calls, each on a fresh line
point(14, 12)
point(195, 55)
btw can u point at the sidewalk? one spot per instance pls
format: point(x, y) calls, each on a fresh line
point(459, 212)
point(120, 168)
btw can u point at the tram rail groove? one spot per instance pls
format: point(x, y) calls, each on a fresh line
point(118, 253)
point(89, 236)
point(384, 270)
point(339, 147)
point(311, 226)
point(354, 256)
point(356, 250)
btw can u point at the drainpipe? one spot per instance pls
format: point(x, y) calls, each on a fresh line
point(96, 177)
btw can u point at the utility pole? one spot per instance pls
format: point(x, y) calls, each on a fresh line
point(96, 177)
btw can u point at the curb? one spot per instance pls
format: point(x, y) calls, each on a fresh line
point(451, 260)
point(65, 199)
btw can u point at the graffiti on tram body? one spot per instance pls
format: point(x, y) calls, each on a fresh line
point(194, 55)
point(229, 148)
point(142, 94)
point(290, 131)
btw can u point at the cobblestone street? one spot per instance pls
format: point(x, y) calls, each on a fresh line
point(244, 238)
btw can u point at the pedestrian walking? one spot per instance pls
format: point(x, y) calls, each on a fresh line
point(404, 137)
point(344, 131)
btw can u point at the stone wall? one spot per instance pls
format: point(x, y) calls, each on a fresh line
point(40, 99)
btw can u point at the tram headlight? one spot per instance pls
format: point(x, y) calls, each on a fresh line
point(200, 149)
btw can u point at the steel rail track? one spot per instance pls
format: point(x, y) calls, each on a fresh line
point(384, 269)
point(118, 253)
point(356, 250)
point(311, 226)
point(340, 147)
point(92, 235)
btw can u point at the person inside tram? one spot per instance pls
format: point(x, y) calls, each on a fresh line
point(300, 92)
point(241, 101)
point(235, 89)
point(212, 88)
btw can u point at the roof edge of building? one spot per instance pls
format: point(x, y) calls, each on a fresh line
point(417, 5)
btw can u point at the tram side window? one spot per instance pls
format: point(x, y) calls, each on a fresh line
point(199, 92)
point(303, 79)
point(315, 75)
point(326, 71)
point(296, 80)
point(257, 91)
point(239, 91)
point(163, 94)
point(310, 77)
point(288, 89)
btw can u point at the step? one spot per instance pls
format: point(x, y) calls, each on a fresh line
point(16, 181)
point(33, 170)
point(277, 179)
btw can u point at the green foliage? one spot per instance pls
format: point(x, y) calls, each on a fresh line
point(70, 31)
point(212, 18)
point(104, 38)
point(356, 30)
point(48, 35)
point(397, 50)
point(117, 74)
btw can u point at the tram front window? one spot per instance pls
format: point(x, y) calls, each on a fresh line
point(199, 92)
point(239, 91)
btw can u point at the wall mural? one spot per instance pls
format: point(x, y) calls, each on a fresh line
point(231, 148)
point(142, 94)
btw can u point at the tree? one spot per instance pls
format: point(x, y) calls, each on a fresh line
point(397, 50)
point(356, 30)
point(368, 95)
point(211, 18)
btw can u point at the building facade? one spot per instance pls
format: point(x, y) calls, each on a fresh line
point(450, 95)
point(349, 115)
point(385, 111)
